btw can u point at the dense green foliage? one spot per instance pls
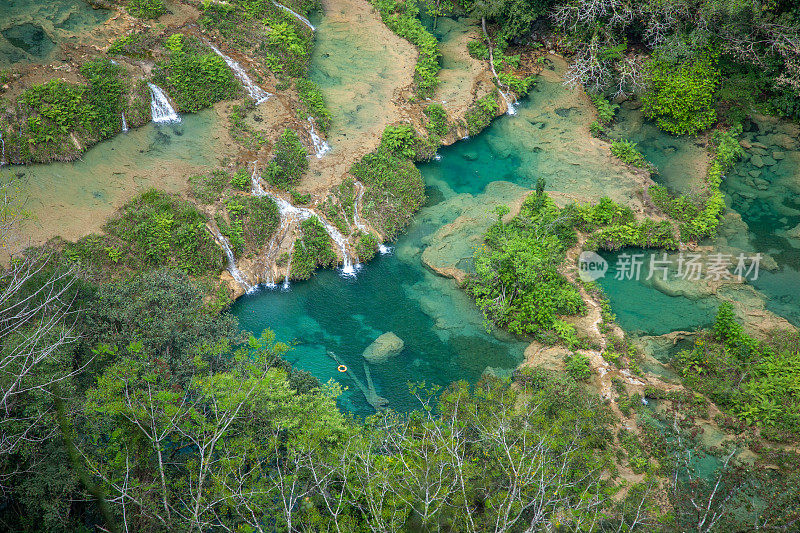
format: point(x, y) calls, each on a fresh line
point(517, 283)
point(288, 162)
point(103, 100)
point(312, 98)
point(680, 95)
point(313, 249)
point(394, 186)
point(605, 109)
point(515, 17)
point(263, 30)
point(366, 247)
point(153, 230)
point(751, 380)
point(402, 18)
point(194, 76)
point(176, 424)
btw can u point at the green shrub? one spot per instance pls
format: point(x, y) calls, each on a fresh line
point(680, 97)
point(596, 129)
point(519, 85)
point(577, 366)
point(517, 283)
point(208, 188)
point(241, 180)
point(298, 198)
point(605, 109)
point(751, 380)
point(146, 9)
point(158, 229)
point(627, 152)
point(55, 110)
point(289, 49)
point(313, 249)
point(258, 216)
point(481, 113)
point(700, 217)
point(398, 140)
point(437, 120)
point(103, 100)
point(394, 188)
point(478, 49)
point(366, 247)
point(288, 162)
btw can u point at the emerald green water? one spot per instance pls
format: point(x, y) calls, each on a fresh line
point(643, 309)
point(763, 188)
point(30, 30)
point(444, 333)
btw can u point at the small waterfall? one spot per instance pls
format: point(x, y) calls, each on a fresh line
point(348, 269)
point(160, 108)
point(511, 107)
point(286, 209)
point(232, 268)
point(124, 124)
point(298, 16)
point(320, 146)
point(3, 151)
point(384, 250)
point(288, 269)
point(256, 93)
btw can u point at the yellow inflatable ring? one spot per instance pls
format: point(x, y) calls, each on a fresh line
point(342, 368)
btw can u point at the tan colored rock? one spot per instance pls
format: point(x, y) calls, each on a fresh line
point(386, 346)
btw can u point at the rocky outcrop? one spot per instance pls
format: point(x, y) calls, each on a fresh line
point(384, 347)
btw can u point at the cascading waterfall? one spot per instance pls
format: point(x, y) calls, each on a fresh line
point(3, 152)
point(511, 107)
point(320, 146)
point(300, 213)
point(298, 16)
point(288, 269)
point(232, 268)
point(256, 93)
point(384, 250)
point(124, 124)
point(160, 108)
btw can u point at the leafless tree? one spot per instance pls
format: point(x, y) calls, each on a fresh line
point(37, 319)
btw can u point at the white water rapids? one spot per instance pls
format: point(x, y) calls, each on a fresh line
point(160, 108)
point(256, 93)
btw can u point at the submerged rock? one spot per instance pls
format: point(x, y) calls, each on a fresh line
point(386, 346)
